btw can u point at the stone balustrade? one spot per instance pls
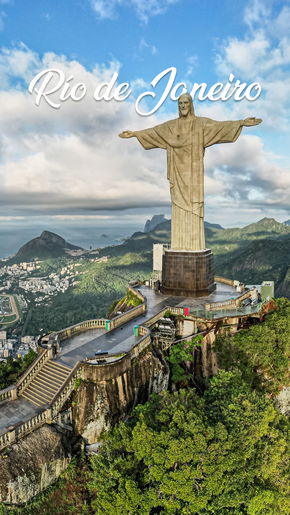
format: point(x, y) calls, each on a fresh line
point(143, 331)
point(8, 393)
point(231, 303)
point(224, 280)
point(35, 366)
point(127, 316)
point(65, 391)
point(68, 332)
point(13, 391)
point(46, 416)
point(137, 293)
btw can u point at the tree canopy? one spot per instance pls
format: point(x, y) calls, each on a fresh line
point(180, 453)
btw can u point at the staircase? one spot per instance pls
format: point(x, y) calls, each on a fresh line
point(46, 383)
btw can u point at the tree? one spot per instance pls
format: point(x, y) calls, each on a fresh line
point(12, 369)
point(183, 454)
point(261, 352)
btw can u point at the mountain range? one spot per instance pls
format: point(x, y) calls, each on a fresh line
point(252, 254)
point(260, 251)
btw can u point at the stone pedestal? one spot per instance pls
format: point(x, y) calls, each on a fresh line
point(188, 273)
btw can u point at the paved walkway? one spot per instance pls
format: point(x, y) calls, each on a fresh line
point(120, 340)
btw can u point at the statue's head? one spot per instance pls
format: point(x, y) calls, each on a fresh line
point(185, 105)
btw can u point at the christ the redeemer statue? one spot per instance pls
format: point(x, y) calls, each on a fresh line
point(185, 139)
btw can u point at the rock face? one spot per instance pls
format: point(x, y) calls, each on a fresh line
point(48, 244)
point(32, 464)
point(155, 220)
point(107, 396)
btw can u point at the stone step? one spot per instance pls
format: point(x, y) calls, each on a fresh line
point(53, 373)
point(47, 382)
point(43, 384)
point(60, 365)
point(38, 395)
point(32, 399)
point(33, 388)
point(58, 370)
point(49, 377)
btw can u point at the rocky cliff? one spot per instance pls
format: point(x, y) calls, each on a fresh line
point(107, 395)
point(32, 464)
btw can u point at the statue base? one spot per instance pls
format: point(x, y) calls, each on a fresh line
point(188, 273)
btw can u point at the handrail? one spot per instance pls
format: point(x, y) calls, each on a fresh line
point(35, 362)
point(69, 377)
point(44, 356)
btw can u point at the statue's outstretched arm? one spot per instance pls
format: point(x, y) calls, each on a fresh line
point(249, 122)
point(127, 134)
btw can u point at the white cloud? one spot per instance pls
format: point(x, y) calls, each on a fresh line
point(144, 45)
point(192, 63)
point(62, 161)
point(262, 55)
point(257, 12)
point(249, 173)
point(104, 9)
point(144, 9)
point(72, 158)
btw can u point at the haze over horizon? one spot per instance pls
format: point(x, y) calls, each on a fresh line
point(84, 232)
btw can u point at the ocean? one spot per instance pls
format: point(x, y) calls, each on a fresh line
point(85, 233)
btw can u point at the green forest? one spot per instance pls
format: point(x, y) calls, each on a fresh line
point(11, 369)
point(220, 449)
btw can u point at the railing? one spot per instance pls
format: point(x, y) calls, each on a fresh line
point(230, 282)
point(235, 312)
point(74, 330)
point(31, 424)
point(65, 391)
point(234, 302)
point(103, 323)
point(143, 331)
point(127, 316)
point(19, 430)
point(137, 293)
point(224, 280)
point(4, 440)
point(13, 391)
point(8, 393)
point(35, 366)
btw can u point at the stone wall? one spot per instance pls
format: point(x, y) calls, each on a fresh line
point(108, 394)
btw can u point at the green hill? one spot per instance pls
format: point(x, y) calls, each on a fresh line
point(257, 252)
point(47, 245)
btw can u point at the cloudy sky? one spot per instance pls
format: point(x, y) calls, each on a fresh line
point(70, 163)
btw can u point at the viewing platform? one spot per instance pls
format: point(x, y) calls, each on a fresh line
point(43, 388)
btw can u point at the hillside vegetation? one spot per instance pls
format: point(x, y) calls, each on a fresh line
point(220, 450)
point(252, 254)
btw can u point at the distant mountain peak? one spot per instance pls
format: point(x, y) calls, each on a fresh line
point(48, 244)
point(153, 222)
point(266, 224)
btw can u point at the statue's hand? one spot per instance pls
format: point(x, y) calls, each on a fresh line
point(127, 134)
point(249, 122)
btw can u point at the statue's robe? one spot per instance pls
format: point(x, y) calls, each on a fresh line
point(185, 140)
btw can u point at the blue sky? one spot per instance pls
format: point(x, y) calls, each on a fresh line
point(70, 162)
